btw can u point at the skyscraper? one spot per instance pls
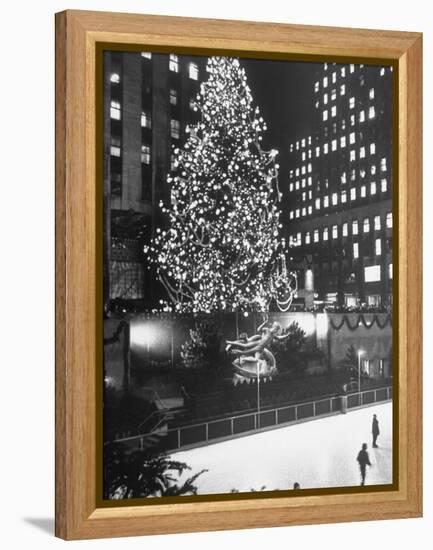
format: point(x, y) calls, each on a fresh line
point(340, 188)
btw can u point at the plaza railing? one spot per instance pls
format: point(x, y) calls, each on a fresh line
point(211, 431)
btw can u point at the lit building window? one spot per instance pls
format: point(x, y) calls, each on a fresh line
point(376, 223)
point(193, 71)
point(303, 142)
point(352, 102)
point(325, 234)
point(307, 238)
point(352, 137)
point(343, 141)
point(363, 191)
point(334, 199)
point(355, 227)
point(373, 169)
point(366, 225)
point(378, 247)
point(390, 271)
point(343, 71)
point(343, 124)
point(304, 211)
point(389, 220)
point(334, 231)
point(115, 78)
point(146, 55)
point(362, 116)
point(145, 154)
point(310, 209)
point(173, 97)
point(353, 174)
point(297, 172)
point(333, 110)
point(316, 86)
point(371, 112)
point(115, 111)
point(382, 71)
point(343, 178)
point(317, 204)
point(352, 120)
point(303, 169)
point(362, 153)
point(343, 89)
point(115, 146)
point(333, 94)
point(334, 144)
point(297, 145)
point(325, 201)
point(372, 148)
point(325, 148)
point(304, 155)
point(317, 151)
point(325, 82)
point(291, 187)
point(174, 128)
point(352, 67)
point(173, 63)
point(343, 197)
point(146, 121)
point(334, 77)
point(292, 214)
point(309, 140)
point(373, 188)
point(303, 183)
point(304, 196)
point(383, 164)
point(325, 99)
point(298, 239)
point(383, 185)
point(309, 167)
point(297, 213)
point(309, 153)
point(355, 251)
point(297, 185)
point(362, 173)
point(325, 115)
point(309, 181)
point(352, 155)
point(345, 229)
point(353, 193)
point(371, 93)
point(316, 235)
point(372, 274)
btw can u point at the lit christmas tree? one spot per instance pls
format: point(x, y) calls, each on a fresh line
point(222, 248)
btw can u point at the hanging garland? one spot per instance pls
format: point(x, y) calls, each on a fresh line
point(361, 320)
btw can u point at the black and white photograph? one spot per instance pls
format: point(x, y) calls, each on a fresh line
point(248, 275)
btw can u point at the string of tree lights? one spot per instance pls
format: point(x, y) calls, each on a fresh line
point(221, 248)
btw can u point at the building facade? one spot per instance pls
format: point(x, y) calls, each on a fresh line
point(148, 103)
point(339, 216)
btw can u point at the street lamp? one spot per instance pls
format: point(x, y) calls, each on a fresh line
point(360, 352)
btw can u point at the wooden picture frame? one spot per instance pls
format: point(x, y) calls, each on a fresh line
point(78, 271)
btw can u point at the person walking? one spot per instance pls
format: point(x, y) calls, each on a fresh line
point(375, 430)
point(363, 461)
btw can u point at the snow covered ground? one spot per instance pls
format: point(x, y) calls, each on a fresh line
point(318, 453)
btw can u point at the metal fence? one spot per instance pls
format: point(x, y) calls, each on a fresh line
point(230, 427)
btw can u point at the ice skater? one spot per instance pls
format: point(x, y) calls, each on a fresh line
point(375, 430)
point(363, 461)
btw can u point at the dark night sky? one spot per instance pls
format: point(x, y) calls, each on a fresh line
point(284, 92)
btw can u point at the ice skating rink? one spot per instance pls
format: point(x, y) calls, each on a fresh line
point(318, 453)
